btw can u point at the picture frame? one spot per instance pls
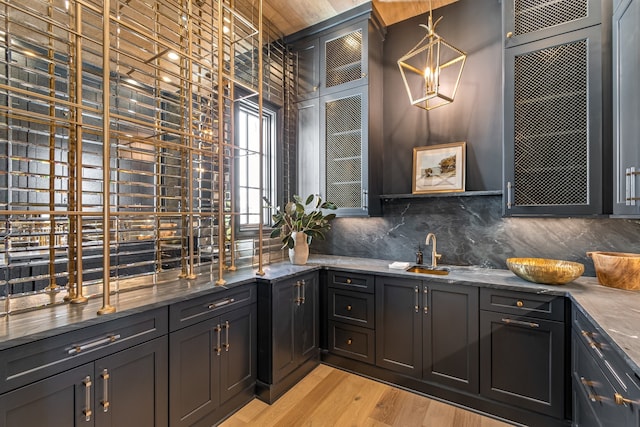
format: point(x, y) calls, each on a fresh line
point(439, 168)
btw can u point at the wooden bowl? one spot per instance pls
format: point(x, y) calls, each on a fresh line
point(545, 271)
point(617, 269)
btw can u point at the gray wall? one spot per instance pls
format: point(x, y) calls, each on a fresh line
point(473, 26)
point(470, 230)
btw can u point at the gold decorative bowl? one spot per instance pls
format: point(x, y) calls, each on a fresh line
point(617, 269)
point(545, 271)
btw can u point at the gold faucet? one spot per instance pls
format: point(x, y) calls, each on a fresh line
point(435, 256)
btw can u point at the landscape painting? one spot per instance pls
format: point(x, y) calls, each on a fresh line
point(439, 168)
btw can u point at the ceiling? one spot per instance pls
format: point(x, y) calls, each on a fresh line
point(290, 16)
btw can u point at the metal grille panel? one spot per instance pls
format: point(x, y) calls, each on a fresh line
point(551, 127)
point(344, 152)
point(535, 15)
point(344, 59)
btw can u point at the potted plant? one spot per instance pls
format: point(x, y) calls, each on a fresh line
point(299, 222)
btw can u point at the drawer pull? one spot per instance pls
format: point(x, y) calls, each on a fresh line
point(349, 308)
point(221, 303)
point(621, 400)
point(520, 304)
point(105, 390)
point(521, 323)
point(349, 341)
point(87, 398)
point(591, 342)
point(91, 344)
point(348, 281)
point(588, 386)
point(416, 306)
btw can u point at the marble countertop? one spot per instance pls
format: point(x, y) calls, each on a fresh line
point(617, 312)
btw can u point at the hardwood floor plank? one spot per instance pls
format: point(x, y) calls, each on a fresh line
point(330, 397)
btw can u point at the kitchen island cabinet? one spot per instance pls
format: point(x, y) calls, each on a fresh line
point(288, 343)
point(127, 387)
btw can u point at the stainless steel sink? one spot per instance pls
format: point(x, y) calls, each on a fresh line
point(439, 271)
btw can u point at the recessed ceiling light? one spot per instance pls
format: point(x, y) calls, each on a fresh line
point(173, 56)
point(166, 79)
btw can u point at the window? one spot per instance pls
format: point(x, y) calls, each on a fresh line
point(249, 200)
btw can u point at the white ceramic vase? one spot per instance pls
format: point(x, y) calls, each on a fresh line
point(300, 252)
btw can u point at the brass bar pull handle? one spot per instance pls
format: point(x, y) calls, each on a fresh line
point(509, 188)
point(105, 390)
point(221, 303)
point(426, 300)
point(627, 188)
point(218, 348)
point(621, 400)
point(226, 333)
point(87, 398)
point(591, 342)
point(416, 306)
point(304, 291)
point(91, 344)
point(298, 299)
point(632, 181)
point(521, 323)
point(588, 388)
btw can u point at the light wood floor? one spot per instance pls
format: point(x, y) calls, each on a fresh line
point(330, 397)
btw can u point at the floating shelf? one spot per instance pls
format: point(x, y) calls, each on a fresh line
point(388, 197)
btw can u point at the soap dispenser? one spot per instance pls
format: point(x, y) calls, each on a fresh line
point(419, 258)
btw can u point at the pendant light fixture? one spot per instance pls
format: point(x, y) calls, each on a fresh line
point(431, 70)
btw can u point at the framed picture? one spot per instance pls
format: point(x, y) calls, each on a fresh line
point(439, 168)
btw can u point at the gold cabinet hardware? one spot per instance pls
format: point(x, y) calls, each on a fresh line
point(349, 308)
point(349, 341)
point(621, 400)
point(226, 333)
point(218, 347)
point(348, 281)
point(105, 390)
point(87, 398)
point(519, 304)
point(521, 323)
point(510, 34)
point(588, 387)
point(220, 303)
point(416, 306)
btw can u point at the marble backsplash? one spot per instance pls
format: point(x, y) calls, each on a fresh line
point(472, 231)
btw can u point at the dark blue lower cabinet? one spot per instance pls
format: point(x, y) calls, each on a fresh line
point(126, 388)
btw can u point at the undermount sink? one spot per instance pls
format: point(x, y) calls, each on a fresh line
point(439, 271)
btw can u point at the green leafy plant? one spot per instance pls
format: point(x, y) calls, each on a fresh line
point(302, 216)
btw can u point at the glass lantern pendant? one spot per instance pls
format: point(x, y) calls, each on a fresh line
point(431, 70)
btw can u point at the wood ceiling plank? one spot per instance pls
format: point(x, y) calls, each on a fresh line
point(290, 16)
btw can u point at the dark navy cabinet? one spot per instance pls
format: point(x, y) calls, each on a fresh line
point(522, 350)
point(556, 120)
point(288, 333)
point(124, 381)
point(213, 361)
point(428, 331)
point(606, 392)
point(626, 104)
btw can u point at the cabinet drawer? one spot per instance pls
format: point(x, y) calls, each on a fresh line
point(353, 281)
point(616, 369)
point(352, 342)
point(523, 304)
point(593, 388)
point(39, 359)
point(355, 308)
point(196, 310)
